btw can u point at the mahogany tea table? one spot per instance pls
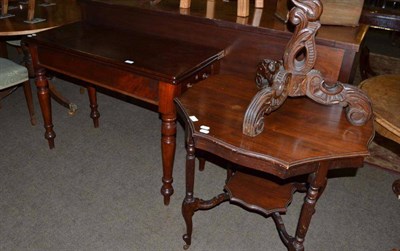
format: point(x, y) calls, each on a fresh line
point(300, 138)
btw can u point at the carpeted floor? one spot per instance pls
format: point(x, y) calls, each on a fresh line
point(99, 190)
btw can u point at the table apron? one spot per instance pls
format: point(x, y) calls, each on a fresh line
point(100, 74)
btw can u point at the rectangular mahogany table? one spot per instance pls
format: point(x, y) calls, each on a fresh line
point(146, 67)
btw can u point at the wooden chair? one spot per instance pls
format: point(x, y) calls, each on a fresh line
point(27, 60)
point(12, 75)
point(55, 94)
point(225, 116)
point(4, 9)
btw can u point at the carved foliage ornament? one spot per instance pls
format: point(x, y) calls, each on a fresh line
point(295, 76)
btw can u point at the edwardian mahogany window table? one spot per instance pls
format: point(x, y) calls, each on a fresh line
point(268, 138)
point(130, 62)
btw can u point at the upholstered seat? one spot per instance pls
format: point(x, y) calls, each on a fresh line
point(57, 96)
point(13, 74)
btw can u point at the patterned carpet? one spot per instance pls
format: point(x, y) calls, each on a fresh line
point(384, 153)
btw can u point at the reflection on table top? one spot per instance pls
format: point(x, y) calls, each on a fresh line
point(63, 12)
point(349, 37)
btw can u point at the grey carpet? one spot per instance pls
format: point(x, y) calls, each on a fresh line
point(99, 190)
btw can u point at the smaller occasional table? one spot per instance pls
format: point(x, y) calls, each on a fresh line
point(300, 138)
point(384, 92)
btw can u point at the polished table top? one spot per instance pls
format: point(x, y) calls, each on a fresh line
point(147, 55)
point(330, 35)
point(297, 134)
point(261, 35)
point(63, 12)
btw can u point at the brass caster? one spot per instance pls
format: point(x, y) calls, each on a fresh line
point(72, 109)
point(33, 120)
point(186, 246)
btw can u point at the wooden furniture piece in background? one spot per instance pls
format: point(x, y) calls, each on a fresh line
point(384, 91)
point(243, 6)
point(30, 7)
point(378, 15)
point(4, 9)
point(63, 12)
point(300, 138)
point(247, 43)
point(144, 67)
point(342, 12)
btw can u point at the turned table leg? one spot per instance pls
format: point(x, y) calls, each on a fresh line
point(42, 85)
point(396, 188)
point(166, 107)
point(317, 185)
point(188, 205)
point(94, 113)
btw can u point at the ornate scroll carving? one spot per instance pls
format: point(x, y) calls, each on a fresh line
point(295, 76)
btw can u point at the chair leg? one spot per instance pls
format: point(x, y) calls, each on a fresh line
point(396, 188)
point(365, 66)
point(202, 164)
point(29, 101)
point(56, 95)
point(94, 113)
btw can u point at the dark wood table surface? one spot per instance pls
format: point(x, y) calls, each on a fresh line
point(255, 37)
point(63, 12)
point(158, 69)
